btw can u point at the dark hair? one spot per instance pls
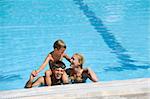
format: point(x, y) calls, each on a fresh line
point(59, 44)
point(58, 64)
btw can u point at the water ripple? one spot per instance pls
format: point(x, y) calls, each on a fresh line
point(127, 63)
point(9, 77)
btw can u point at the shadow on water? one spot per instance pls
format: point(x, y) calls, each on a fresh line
point(125, 60)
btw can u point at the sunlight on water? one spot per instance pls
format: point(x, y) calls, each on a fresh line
point(112, 35)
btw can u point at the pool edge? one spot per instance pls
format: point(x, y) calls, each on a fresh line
point(119, 89)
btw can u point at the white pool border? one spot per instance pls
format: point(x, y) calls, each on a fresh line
point(120, 89)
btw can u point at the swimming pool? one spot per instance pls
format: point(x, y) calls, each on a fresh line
point(113, 35)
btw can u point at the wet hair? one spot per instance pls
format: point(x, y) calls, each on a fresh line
point(59, 44)
point(58, 64)
point(80, 59)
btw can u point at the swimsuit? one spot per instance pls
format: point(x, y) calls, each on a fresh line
point(59, 82)
point(72, 81)
point(50, 62)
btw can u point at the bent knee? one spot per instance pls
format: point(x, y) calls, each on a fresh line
point(48, 72)
point(41, 78)
point(65, 78)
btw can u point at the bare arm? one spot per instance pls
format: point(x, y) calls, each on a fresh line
point(67, 57)
point(30, 81)
point(48, 58)
point(39, 81)
point(92, 75)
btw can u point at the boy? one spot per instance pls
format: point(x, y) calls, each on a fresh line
point(56, 55)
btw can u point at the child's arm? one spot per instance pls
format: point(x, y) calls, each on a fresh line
point(48, 58)
point(67, 57)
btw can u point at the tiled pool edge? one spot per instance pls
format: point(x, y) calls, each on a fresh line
point(121, 89)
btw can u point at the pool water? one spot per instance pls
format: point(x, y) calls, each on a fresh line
point(113, 36)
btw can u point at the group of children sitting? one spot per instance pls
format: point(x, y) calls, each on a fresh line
point(58, 74)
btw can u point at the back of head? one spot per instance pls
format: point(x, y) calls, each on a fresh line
point(59, 44)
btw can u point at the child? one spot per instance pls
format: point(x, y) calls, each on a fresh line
point(56, 55)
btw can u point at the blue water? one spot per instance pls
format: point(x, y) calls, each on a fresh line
point(113, 36)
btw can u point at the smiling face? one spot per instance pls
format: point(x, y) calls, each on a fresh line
point(58, 72)
point(58, 69)
point(77, 60)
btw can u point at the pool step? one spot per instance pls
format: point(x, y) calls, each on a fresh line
point(121, 89)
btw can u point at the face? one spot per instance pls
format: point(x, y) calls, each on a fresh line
point(58, 72)
point(60, 51)
point(75, 63)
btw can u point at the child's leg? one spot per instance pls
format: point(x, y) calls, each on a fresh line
point(65, 78)
point(39, 81)
point(48, 73)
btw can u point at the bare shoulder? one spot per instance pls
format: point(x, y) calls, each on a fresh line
point(64, 55)
point(87, 70)
point(50, 57)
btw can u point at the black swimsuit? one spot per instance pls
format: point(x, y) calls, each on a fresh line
point(50, 62)
point(84, 77)
point(59, 82)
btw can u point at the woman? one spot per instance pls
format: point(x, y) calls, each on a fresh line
point(76, 73)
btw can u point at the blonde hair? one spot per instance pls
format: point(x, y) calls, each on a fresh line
point(59, 44)
point(80, 58)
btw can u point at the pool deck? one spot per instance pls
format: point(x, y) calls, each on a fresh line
point(120, 89)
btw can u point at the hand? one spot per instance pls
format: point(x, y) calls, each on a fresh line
point(34, 73)
point(86, 69)
point(71, 60)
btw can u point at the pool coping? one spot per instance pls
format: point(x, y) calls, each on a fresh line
point(119, 89)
